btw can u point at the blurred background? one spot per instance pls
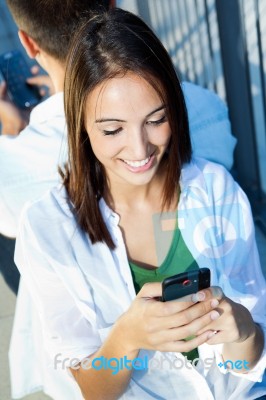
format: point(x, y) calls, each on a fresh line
point(220, 45)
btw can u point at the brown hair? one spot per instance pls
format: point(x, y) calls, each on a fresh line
point(109, 45)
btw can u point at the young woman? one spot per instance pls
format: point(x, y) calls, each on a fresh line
point(135, 208)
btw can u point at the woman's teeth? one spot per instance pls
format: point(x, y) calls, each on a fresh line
point(137, 163)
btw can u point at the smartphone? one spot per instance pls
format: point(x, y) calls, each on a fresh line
point(15, 71)
point(186, 283)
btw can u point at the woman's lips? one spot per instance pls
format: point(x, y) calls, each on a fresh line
point(139, 166)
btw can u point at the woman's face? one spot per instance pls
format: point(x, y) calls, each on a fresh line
point(128, 128)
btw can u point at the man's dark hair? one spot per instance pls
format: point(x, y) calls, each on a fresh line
point(52, 23)
point(110, 45)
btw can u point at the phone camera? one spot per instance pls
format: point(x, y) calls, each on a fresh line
point(187, 282)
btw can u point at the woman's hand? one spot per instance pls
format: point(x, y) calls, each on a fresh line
point(155, 325)
point(242, 339)
point(235, 323)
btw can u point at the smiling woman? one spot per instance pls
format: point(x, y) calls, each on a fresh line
point(133, 209)
point(128, 143)
point(114, 72)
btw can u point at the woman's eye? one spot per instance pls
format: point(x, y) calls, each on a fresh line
point(158, 121)
point(114, 132)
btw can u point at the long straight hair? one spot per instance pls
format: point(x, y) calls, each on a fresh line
point(111, 44)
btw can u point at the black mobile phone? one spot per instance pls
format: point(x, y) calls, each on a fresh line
point(186, 283)
point(15, 71)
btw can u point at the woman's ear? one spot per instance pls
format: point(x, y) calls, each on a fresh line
point(29, 44)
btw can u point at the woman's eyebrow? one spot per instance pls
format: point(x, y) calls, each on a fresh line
point(109, 120)
point(161, 107)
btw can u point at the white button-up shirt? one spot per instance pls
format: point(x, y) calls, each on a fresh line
point(29, 161)
point(79, 290)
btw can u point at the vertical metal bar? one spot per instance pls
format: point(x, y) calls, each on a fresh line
point(155, 21)
point(210, 45)
point(238, 91)
point(144, 11)
point(205, 80)
point(191, 46)
point(166, 8)
point(183, 43)
point(261, 65)
point(164, 11)
point(175, 39)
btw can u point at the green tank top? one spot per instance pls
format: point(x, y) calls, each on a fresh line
point(178, 259)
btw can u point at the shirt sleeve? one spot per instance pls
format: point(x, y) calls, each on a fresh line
point(29, 161)
point(242, 278)
point(22, 180)
point(68, 334)
point(246, 277)
point(221, 236)
point(210, 128)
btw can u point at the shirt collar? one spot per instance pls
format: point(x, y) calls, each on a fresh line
point(192, 176)
point(49, 108)
point(107, 212)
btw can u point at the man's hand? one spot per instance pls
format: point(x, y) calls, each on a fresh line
point(11, 118)
point(43, 82)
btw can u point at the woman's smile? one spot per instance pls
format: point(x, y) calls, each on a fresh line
point(139, 166)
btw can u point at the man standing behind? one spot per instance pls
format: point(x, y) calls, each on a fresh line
point(29, 160)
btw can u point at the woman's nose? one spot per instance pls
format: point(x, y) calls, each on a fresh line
point(138, 143)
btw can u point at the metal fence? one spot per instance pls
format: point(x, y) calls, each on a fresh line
point(253, 16)
point(221, 45)
point(188, 29)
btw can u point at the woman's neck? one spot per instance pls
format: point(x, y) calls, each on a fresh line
point(128, 197)
point(124, 197)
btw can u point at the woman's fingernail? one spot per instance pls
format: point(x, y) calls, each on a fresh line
point(198, 297)
point(214, 315)
point(214, 303)
point(211, 334)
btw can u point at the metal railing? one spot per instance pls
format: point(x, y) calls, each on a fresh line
point(189, 31)
point(221, 45)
